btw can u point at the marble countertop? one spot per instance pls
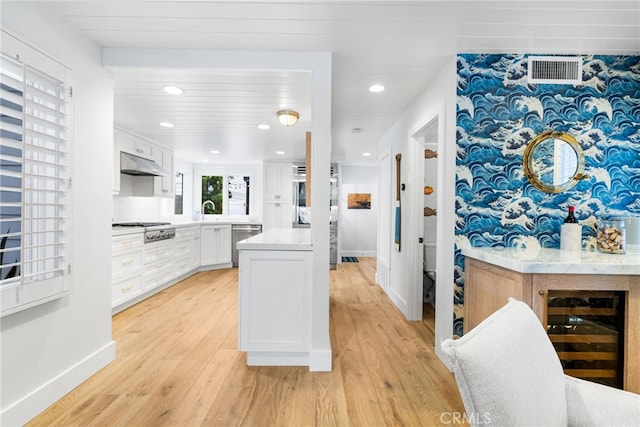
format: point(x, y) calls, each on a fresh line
point(279, 239)
point(547, 260)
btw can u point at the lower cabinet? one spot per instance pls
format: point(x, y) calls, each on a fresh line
point(139, 270)
point(278, 214)
point(184, 248)
point(215, 245)
point(590, 318)
point(158, 263)
point(126, 267)
point(275, 306)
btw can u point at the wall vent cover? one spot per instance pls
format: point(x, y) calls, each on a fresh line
point(554, 69)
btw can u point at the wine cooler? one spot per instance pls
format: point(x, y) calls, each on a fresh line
point(587, 330)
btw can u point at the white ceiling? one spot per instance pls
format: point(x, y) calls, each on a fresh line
point(401, 44)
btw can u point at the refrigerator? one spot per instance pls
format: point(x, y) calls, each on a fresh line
point(302, 214)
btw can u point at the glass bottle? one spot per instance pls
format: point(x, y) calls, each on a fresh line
point(571, 219)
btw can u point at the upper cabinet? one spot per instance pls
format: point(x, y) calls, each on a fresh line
point(278, 181)
point(144, 186)
point(164, 185)
point(278, 196)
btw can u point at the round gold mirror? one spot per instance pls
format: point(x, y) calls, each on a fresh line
point(554, 162)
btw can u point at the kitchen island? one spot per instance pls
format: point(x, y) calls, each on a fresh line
point(275, 280)
point(544, 278)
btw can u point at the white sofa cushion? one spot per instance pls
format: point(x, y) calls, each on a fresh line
point(508, 372)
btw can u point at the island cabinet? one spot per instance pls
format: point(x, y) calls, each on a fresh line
point(275, 277)
point(589, 303)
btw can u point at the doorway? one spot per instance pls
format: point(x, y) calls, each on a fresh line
point(424, 148)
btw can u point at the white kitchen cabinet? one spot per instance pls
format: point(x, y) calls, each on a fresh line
point(135, 145)
point(126, 267)
point(185, 250)
point(278, 195)
point(278, 181)
point(277, 214)
point(158, 268)
point(215, 245)
point(274, 276)
point(164, 186)
point(195, 249)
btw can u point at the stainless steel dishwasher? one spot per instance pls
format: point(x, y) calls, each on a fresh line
point(240, 232)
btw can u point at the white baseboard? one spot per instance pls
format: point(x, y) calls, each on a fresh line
point(46, 395)
point(320, 361)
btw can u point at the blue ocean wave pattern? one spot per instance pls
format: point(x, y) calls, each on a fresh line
point(499, 113)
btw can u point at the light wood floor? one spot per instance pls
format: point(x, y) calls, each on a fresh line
point(177, 364)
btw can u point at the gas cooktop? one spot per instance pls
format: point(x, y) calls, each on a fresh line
point(139, 224)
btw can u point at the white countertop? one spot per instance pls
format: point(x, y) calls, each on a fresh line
point(279, 239)
point(547, 260)
point(119, 231)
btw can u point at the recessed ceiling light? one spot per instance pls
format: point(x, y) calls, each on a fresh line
point(205, 160)
point(366, 154)
point(173, 90)
point(376, 88)
point(279, 153)
point(264, 126)
point(214, 152)
point(166, 124)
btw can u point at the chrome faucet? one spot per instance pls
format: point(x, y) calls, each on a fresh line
point(206, 202)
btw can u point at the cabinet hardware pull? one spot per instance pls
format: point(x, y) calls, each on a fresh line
point(127, 261)
point(127, 289)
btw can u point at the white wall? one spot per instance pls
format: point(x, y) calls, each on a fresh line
point(356, 225)
point(438, 100)
point(48, 350)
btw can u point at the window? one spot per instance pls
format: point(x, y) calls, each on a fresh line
point(238, 195)
point(34, 184)
point(212, 195)
point(179, 198)
point(226, 195)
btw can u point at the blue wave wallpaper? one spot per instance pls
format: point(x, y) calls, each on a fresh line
point(499, 113)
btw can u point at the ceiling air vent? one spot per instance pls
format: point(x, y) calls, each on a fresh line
point(555, 69)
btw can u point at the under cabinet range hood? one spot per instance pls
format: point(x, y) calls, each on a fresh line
point(136, 165)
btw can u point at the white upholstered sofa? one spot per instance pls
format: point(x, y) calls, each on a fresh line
point(509, 374)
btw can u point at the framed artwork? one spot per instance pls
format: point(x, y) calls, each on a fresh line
point(359, 201)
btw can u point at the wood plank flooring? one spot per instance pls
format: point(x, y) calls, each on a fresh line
point(177, 364)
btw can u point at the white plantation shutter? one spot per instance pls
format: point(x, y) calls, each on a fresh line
point(34, 180)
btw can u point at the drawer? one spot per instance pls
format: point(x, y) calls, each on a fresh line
point(126, 289)
point(126, 263)
point(158, 273)
point(183, 246)
point(126, 242)
point(183, 264)
point(186, 231)
point(157, 251)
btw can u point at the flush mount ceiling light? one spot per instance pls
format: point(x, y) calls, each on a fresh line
point(173, 90)
point(376, 88)
point(288, 117)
